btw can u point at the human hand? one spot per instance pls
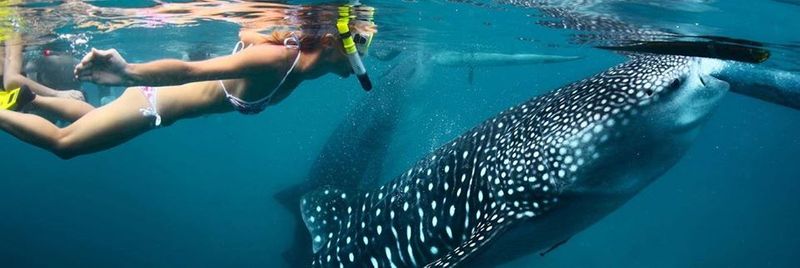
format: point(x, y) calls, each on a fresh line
point(105, 67)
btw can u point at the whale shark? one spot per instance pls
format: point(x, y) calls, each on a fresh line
point(453, 58)
point(353, 154)
point(529, 178)
point(472, 60)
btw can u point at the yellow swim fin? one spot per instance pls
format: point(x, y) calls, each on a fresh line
point(8, 99)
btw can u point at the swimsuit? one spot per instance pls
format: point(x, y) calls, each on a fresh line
point(244, 107)
point(254, 107)
point(151, 110)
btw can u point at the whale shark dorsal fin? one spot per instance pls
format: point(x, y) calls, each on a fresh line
point(481, 236)
point(323, 211)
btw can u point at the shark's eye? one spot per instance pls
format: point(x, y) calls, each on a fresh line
point(674, 84)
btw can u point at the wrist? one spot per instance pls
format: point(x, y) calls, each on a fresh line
point(130, 75)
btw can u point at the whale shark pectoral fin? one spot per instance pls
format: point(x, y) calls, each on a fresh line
point(323, 211)
point(297, 253)
point(553, 247)
point(481, 236)
point(290, 196)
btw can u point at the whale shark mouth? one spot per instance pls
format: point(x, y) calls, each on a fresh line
point(712, 90)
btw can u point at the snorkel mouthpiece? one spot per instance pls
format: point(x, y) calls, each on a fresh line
point(366, 84)
point(342, 25)
point(357, 65)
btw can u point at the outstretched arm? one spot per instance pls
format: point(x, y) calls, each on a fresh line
point(107, 67)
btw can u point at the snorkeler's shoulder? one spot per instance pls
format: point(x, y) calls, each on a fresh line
point(252, 37)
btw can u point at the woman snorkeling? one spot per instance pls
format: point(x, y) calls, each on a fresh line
point(263, 70)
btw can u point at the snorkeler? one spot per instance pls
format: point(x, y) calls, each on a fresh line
point(19, 89)
point(12, 23)
point(13, 76)
point(53, 68)
point(264, 70)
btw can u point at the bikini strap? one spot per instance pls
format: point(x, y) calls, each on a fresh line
point(291, 42)
point(152, 109)
point(239, 47)
point(294, 64)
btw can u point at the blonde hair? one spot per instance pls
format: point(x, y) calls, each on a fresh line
point(307, 42)
point(313, 28)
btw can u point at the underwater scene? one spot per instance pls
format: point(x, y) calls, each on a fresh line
point(447, 133)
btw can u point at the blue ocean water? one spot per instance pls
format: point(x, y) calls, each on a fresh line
point(200, 193)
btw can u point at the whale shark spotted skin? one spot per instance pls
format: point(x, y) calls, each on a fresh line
point(353, 154)
point(527, 179)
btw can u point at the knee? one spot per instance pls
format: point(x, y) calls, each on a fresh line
point(64, 147)
point(12, 81)
point(65, 156)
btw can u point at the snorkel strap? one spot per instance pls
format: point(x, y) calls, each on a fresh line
point(343, 26)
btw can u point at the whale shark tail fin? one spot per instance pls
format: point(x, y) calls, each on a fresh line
point(324, 212)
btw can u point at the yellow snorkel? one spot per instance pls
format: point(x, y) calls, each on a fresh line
point(343, 26)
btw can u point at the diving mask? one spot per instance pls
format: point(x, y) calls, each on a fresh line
point(363, 41)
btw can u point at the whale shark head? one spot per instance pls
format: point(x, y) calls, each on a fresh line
point(568, 158)
point(676, 102)
point(640, 120)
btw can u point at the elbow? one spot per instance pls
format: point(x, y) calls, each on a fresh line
point(164, 73)
point(182, 72)
point(191, 72)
